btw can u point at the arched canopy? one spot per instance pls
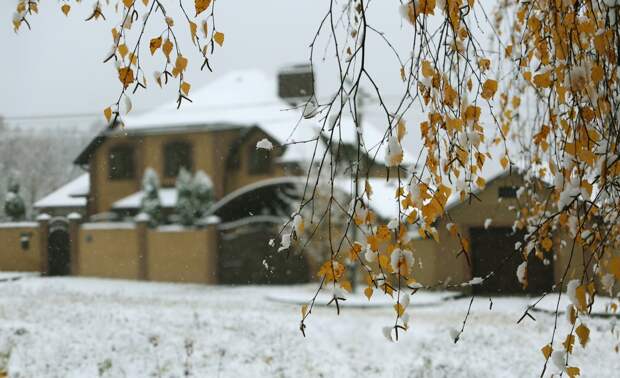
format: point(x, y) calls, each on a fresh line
point(272, 197)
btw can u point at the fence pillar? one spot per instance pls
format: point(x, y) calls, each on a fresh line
point(142, 221)
point(74, 242)
point(44, 230)
point(211, 248)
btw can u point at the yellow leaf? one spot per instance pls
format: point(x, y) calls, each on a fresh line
point(125, 75)
point(167, 48)
point(583, 333)
point(201, 5)
point(568, 343)
point(219, 38)
point(402, 130)
point(107, 112)
point(128, 3)
point(546, 351)
point(181, 63)
point(504, 162)
point(185, 86)
point(614, 266)
point(547, 244)
point(192, 29)
point(346, 285)
point(155, 44)
point(304, 310)
point(573, 371)
point(484, 64)
point(123, 50)
point(543, 80)
point(65, 9)
point(488, 89)
point(400, 310)
point(597, 73)
point(427, 69)
point(580, 293)
point(368, 292)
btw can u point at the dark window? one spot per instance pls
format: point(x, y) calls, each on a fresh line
point(120, 163)
point(177, 155)
point(259, 160)
point(507, 192)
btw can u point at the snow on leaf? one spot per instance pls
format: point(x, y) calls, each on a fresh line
point(393, 152)
point(522, 273)
point(573, 371)
point(264, 144)
point(559, 359)
point(128, 104)
point(387, 333)
point(487, 223)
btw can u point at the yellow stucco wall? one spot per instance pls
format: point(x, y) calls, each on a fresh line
point(182, 255)
point(108, 251)
point(210, 150)
point(12, 256)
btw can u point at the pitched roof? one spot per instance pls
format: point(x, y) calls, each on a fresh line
point(72, 194)
point(241, 99)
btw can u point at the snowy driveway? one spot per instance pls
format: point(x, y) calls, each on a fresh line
point(77, 327)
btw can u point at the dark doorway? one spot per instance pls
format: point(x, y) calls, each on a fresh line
point(491, 247)
point(58, 253)
point(245, 257)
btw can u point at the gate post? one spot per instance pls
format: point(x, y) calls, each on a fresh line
point(142, 220)
point(74, 243)
point(43, 220)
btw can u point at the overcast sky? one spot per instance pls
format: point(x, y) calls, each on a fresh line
point(57, 68)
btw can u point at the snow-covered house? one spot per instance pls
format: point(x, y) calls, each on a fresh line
point(216, 133)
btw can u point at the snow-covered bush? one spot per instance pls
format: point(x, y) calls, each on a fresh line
point(151, 203)
point(194, 196)
point(203, 193)
point(14, 206)
point(185, 209)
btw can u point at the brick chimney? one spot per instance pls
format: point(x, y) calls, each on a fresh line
point(296, 83)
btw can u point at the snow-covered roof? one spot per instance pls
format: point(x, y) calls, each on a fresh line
point(167, 197)
point(248, 98)
point(72, 194)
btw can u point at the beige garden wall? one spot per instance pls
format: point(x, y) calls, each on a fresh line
point(182, 255)
point(109, 250)
point(14, 256)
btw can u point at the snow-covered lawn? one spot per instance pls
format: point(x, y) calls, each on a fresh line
point(77, 327)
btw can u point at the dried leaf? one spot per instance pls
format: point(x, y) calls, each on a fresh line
point(155, 44)
point(583, 332)
point(167, 48)
point(488, 89)
point(185, 86)
point(65, 9)
point(201, 5)
point(219, 38)
point(107, 112)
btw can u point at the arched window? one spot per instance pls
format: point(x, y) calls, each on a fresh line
point(177, 155)
point(121, 163)
point(259, 160)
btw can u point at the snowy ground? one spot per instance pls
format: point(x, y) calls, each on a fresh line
point(76, 327)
